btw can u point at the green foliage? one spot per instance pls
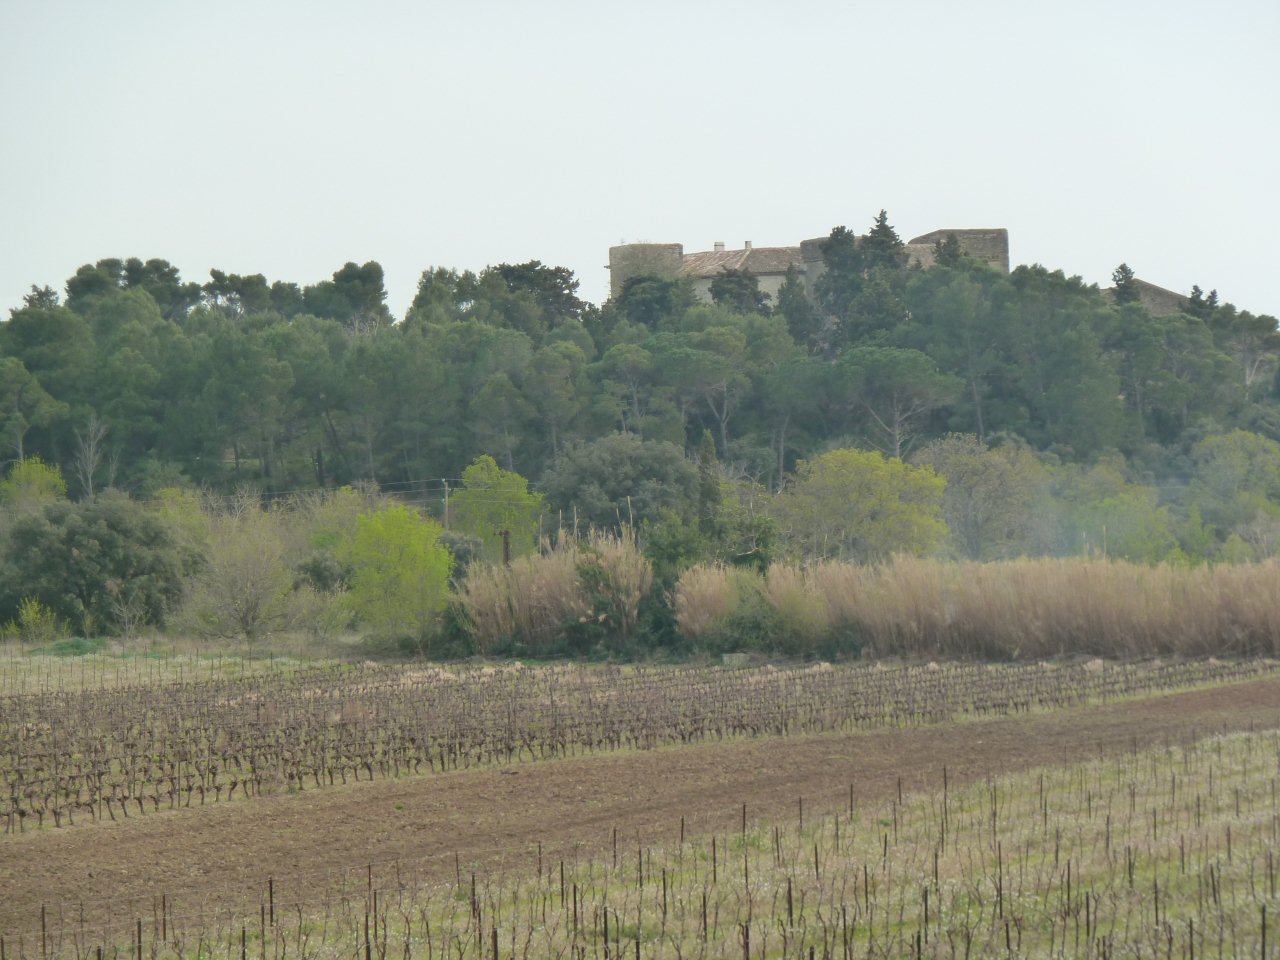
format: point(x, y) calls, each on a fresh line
point(708, 485)
point(621, 480)
point(36, 624)
point(244, 381)
point(355, 296)
point(1125, 290)
point(860, 505)
point(30, 484)
point(1237, 477)
point(106, 564)
point(995, 498)
point(739, 290)
point(243, 588)
point(399, 573)
point(890, 392)
point(24, 405)
point(803, 320)
point(947, 252)
point(653, 302)
point(492, 500)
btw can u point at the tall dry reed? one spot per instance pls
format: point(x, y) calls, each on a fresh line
point(1013, 609)
point(600, 579)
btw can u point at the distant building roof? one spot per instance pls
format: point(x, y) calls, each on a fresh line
point(760, 261)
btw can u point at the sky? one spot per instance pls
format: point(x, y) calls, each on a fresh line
point(288, 138)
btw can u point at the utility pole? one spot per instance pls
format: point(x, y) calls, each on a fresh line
point(506, 547)
point(446, 503)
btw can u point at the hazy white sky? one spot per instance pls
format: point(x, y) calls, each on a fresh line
point(287, 138)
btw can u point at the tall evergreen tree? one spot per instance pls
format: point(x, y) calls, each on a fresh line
point(1125, 290)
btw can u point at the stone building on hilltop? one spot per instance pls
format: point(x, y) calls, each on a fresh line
point(769, 265)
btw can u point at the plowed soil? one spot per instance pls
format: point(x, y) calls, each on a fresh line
point(221, 855)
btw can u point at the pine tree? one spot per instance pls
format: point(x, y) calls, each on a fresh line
point(1125, 290)
point(708, 485)
point(882, 247)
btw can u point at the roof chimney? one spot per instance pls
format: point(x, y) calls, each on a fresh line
point(746, 245)
point(719, 246)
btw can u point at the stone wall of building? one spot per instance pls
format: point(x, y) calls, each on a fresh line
point(770, 264)
point(643, 260)
point(989, 246)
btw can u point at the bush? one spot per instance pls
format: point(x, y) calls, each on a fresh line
point(103, 564)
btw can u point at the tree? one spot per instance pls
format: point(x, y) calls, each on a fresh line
point(239, 296)
point(621, 480)
point(244, 587)
point(993, 503)
point(1060, 388)
point(1124, 289)
point(96, 564)
point(355, 296)
point(862, 506)
point(157, 278)
point(89, 454)
point(1236, 478)
point(653, 302)
point(399, 572)
point(891, 392)
point(41, 298)
point(882, 247)
point(30, 484)
point(492, 500)
point(840, 284)
point(553, 289)
point(708, 485)
point(627, 373)
point(442, 297)
point(24, 405)
point(1106, 514)
point(953, 320)
point(739, 290)
point(803, 320)
point(947, 251)
point(557, 388)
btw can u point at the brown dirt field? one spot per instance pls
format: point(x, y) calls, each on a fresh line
point(222, 854)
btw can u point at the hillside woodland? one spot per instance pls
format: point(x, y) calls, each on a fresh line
point(241, 457)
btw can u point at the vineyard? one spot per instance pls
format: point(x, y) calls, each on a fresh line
point(1160, 854)
point(108, 745)
point(1129, 850)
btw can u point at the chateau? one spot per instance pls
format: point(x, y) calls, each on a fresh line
point(770, 264)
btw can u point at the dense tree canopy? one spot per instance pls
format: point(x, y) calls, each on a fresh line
point(1052, 410)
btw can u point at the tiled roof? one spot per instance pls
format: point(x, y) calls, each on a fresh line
point(760, 261)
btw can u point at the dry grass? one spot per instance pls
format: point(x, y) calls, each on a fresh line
point(1014, 609)
point(537, 596)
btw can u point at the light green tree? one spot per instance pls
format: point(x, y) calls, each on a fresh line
point(1236, 479)
point(243, 589)
point(492, 500)
point(30, 484)
point(860, 505)
point(994, 497)
point(399, 572)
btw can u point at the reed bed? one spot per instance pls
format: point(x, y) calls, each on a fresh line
point(1023, 609)
point(1161, 853)
point(599, 580)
